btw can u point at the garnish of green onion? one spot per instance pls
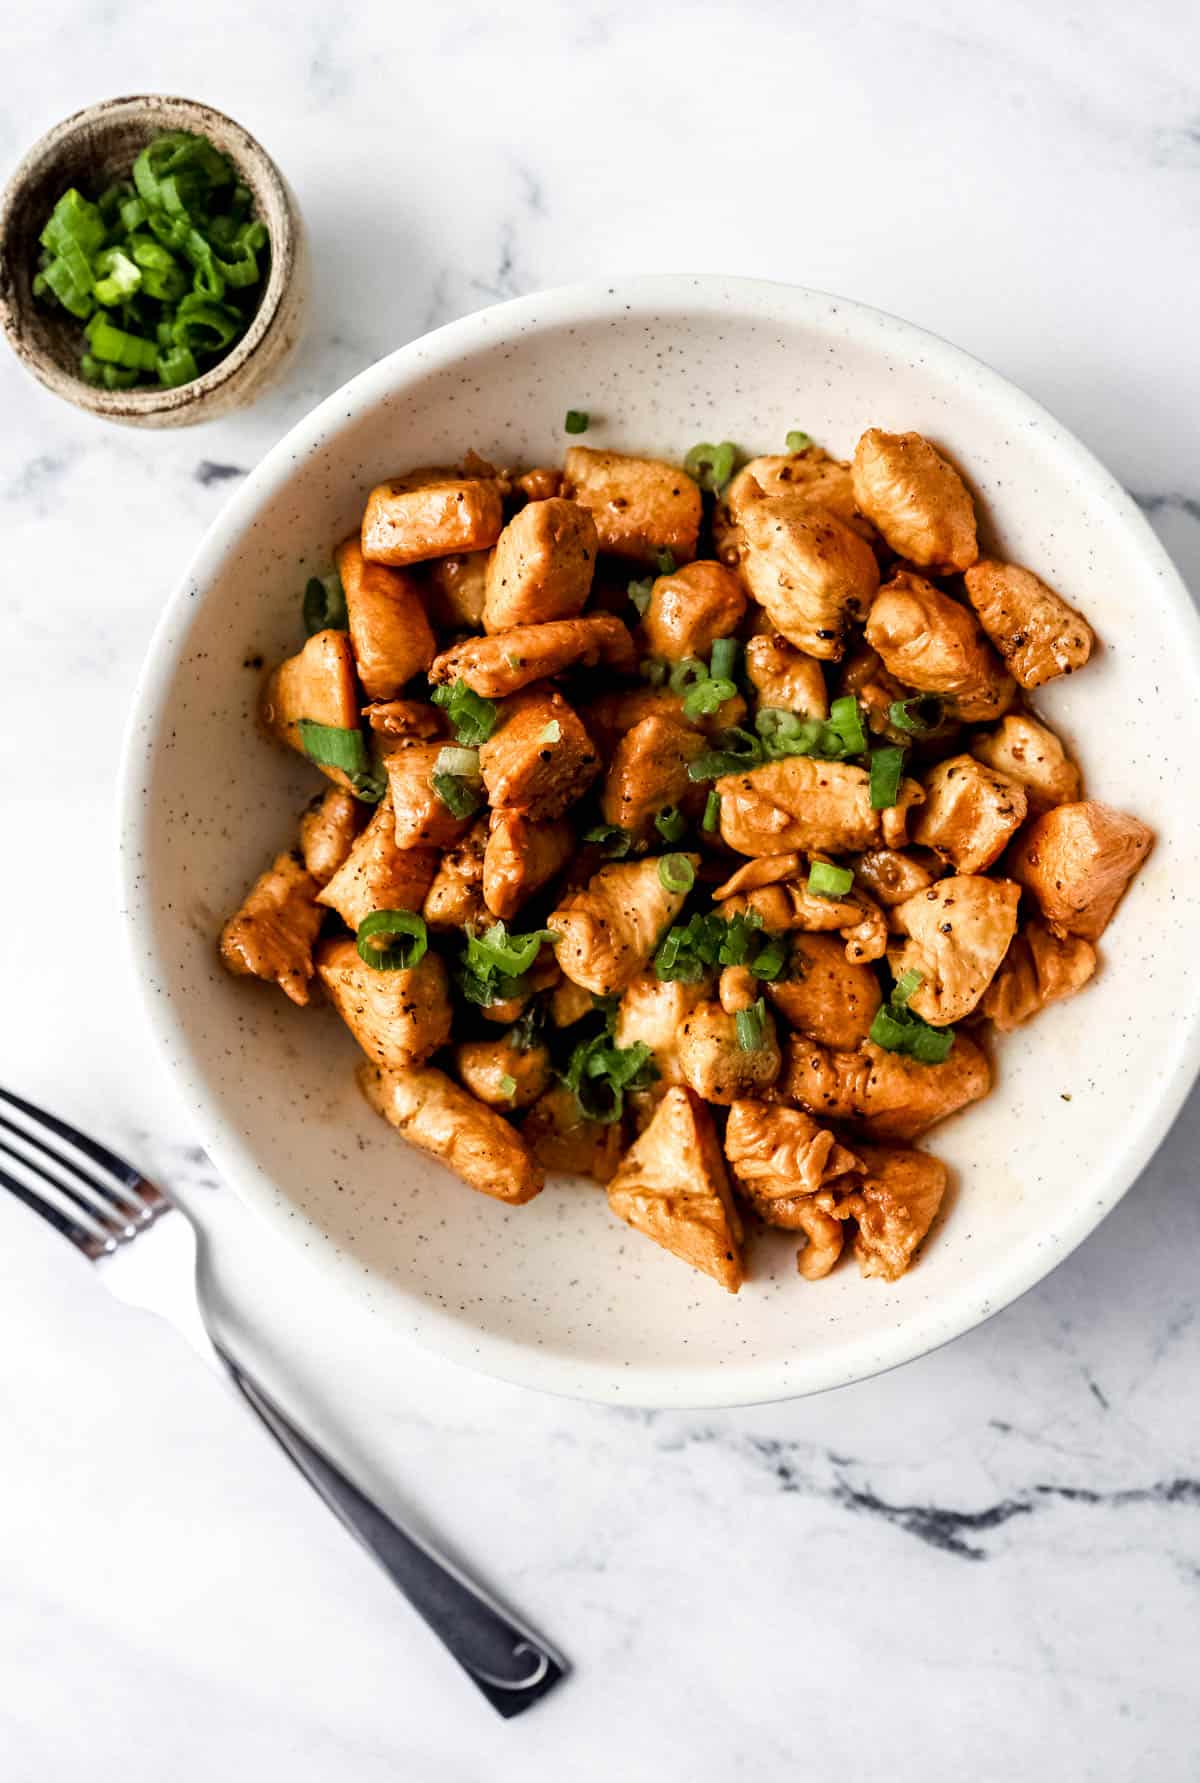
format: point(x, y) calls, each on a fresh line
point(576, 421)
point(906, 986)
point(827, 881)
point(639, 593)
point(462, 798)
point(324, 604)
point(666, 563)
point(835, 738)
point(508, 1087)
point(552, 732)
point(770, 960)
point(711, 466)
point(689, 672)
point(734, 752)
point(712, 812)
point(722, 665)
point(615, 841)
point(707, 697)
point(919, 716)
point(751, 1025)
point(887, 769)
point(671, 824)
point(473, 718)
point(462, 763)
point(331, 747)
point(392, 940)
point(676, 873)
point(798, 441)
point(897, 1029)
point(600, 1073)
point(653, 671)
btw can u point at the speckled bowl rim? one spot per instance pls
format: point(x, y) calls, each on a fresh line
point(653, 296)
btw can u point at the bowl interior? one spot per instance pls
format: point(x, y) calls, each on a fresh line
point(558, 1293)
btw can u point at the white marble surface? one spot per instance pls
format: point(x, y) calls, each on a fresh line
point(984, 1566)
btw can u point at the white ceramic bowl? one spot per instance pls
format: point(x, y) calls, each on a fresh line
point(558, 1294)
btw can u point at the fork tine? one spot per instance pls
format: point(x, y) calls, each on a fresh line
point(107, 1193)
point(104, 1208)
point(124, 1172)
point(93, 1243)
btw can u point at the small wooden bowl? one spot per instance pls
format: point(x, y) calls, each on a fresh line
point(89, 150)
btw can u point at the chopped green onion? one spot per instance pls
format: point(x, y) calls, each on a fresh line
point(331, 747)
point(113, 346)
point(473, 718)
point(494, 964)
point(74, 224)
point(666, 563)
point(552, 733)
point(576, 421)
point(508, 1086)
point(831, 739)
point(751, 1025)
point(676, 873)
point(599, 1074)
point(525, 1030)
point(919, 716)
point(615, 841)
point(688, 673)
point(462, 798)
point(827, 881)
point(845, 718)
point(653, 671)
point(711, 466)
point(887, 768)
point(639, 593)
point(463, 764)
point(707, 697)
point(324, 602)
point(896, 1029)
point(905, 986)
point(74, 293)
point(706, 940)
point(177, 365)
point(671, 824)
point(405, 931)
point(723, 661)
point(798, 441)
point(735, 751)
point(771, 959)
point(712, 812)
point(117, 277)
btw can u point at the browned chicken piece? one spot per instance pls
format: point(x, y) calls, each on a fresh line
point(398, 1018)
point(887, 1094)
point(785, 678)
point(1036, 632)
point(691, 608)
point(1077, 861)
point(647, 772)
point(1039, 968)
point(422, 820)
point(541, 759)
point(319, 684)
point(271, 934)
point(672, 1186)
point(891, 875)
point(540, 484)
point(712, 1060)
point(377, 875)
point(502, 1074)
point(542, 566)
point(958, 932)
point(812, 573)
point(930, 642)
point(916, 499)
point(823, 995)
point(810, 475)
point(1030, 753)
point(569, 1003)
point(970, 811)
point(752, 875)
point(455, 896)
point(610, 927)
point(610, 715)
point(653, 1012)
point(895, 1203)
point(641, 506)
point(563, 1140)
point(780, 1154)
point(457, 587)
point(431, 514)
point(802, 803)
point(410, 719)
point(328, 827)
point(392, 637)
point(475, 1142)
point(520, 858)
point(502, 665)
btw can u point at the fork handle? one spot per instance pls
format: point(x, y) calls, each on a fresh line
point(510, 1664)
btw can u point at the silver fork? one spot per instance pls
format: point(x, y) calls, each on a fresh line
point(104, 1206)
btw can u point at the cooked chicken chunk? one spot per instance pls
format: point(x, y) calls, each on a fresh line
point(1077, 861)
point(891, 875)
point(1032, 755)
point(785, 678)
point(520, 858)
point(811, 475)
point(611, 927)
point(398, 1018)
point(457, 590)
point(1036, 632)
point(541, 759)
point(318, 684)
point(611, 715)
point(271, 934)
point(958, 932)
point(640, 505)
point(823, 995)
point(672, 1187)
point(930, 642)
point(478, 1144)
point(970, 811)
point(501, 1073)
point(812, 573)
point(422, 820)
point(542, 566)
point(498, 666)
point(562, 1138)
point(327, 831)
point(413, 720)
point(801, 803)
point(540, 484)
point(919, 502)
point(691, 608)
point(895, 1203)
point(1039, 968)
point(392, 637)
point(653, 1012)
point(376, 875)
point(775, 888)
point(431, 514)
point(569, 1003)
point(649, 771)
point(779, 1155)
point(887, 1094)
point(455, 895)
point(713, 1061)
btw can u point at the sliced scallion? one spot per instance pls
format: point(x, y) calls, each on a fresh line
point(576, 421)
point(797, 440)
point(887, 770)
point(671, 824)
point(711, 466)
point(676, 873)
point(827, 881)
point(324, 603)
point(473, 718)
point(392, 940)
point(751, 1025)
